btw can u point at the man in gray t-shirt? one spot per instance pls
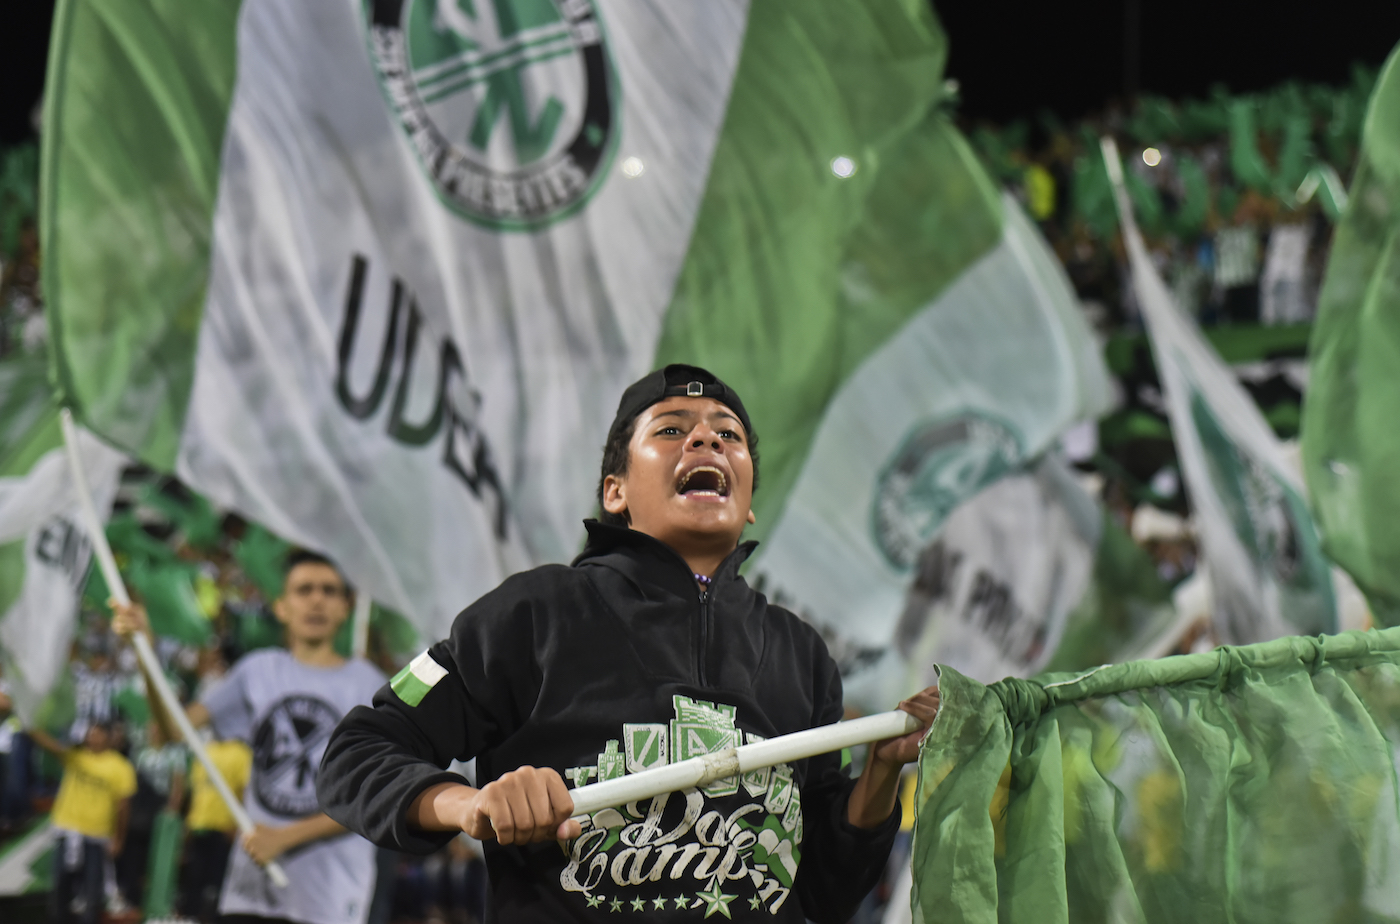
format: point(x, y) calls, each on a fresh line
point(286, 710)
point(285, 703)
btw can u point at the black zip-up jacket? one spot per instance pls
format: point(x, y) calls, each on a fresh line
point(614, 665)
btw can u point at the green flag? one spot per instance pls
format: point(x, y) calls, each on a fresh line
point(1351, 445)
point(373, 274)
point(1252, 784)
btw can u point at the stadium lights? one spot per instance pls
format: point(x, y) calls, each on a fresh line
point(633, 167)
point(843, 167)
point(1152, 157)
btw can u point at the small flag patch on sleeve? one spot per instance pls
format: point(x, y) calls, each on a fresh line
point(413, 682)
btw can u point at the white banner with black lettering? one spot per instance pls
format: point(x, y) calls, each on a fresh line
point(45, 553)
point(992, 592)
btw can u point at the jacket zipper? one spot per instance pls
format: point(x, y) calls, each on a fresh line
point(703, 650)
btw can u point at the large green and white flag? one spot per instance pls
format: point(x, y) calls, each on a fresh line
point(374, 273)
point(1267, 571)
point(44, 551)
point(975, 386)
point(1351, 444)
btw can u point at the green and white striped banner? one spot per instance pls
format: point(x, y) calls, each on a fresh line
point(417, 677)
point(374, 273)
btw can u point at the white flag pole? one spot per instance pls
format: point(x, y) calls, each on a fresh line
point(701, 771)
point(144, 652)
point(359, 626)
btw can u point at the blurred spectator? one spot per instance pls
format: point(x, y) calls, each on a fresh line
point(211, 827)
point(10, 816)
point(1285, 295)
point(90, 815)
point(211, 669)
point(160, 785)
point(1237, 273)
point(95, 684)
point(19, 765)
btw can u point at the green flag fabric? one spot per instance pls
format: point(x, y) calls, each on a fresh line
point(374, 274)
point(1250, 784)
point(1351, 446)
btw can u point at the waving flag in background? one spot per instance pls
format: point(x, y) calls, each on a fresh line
point(374, 274)
point(44, 552)
point(1351, 444)
point(1260, 545)
point(994, 589)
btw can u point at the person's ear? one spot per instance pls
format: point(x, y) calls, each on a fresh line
point(615, 495)
point(751, 518)
point(279, 609)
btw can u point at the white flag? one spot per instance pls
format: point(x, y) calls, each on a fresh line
point(1259, 540)
point(993, 592)
point(44, 556)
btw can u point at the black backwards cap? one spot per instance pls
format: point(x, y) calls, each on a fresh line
point(676, 380)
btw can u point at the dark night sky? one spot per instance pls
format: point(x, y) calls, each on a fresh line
point(1012, 58)
point(24, 45)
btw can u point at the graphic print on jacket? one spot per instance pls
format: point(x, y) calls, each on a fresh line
point(745, 849)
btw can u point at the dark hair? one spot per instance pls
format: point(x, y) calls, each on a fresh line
point(307, 557)
point(617, 452)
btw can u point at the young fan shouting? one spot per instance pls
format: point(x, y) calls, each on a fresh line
point(648, 649)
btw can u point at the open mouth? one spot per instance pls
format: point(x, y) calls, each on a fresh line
point(703, 481)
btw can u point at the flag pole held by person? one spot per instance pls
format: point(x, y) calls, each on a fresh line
point(701, 771)
point(142, 645)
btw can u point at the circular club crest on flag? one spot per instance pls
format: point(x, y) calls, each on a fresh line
point(939, 465)
point(508, 104)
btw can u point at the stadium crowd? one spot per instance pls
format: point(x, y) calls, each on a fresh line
point(1235, 194)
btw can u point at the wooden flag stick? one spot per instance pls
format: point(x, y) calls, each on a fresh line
point(144, 652)
point(701, 771)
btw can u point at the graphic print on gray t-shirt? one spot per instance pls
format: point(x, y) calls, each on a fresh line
point(287, 748)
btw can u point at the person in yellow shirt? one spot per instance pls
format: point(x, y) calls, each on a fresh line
point(90, 814)
point(211, 828)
